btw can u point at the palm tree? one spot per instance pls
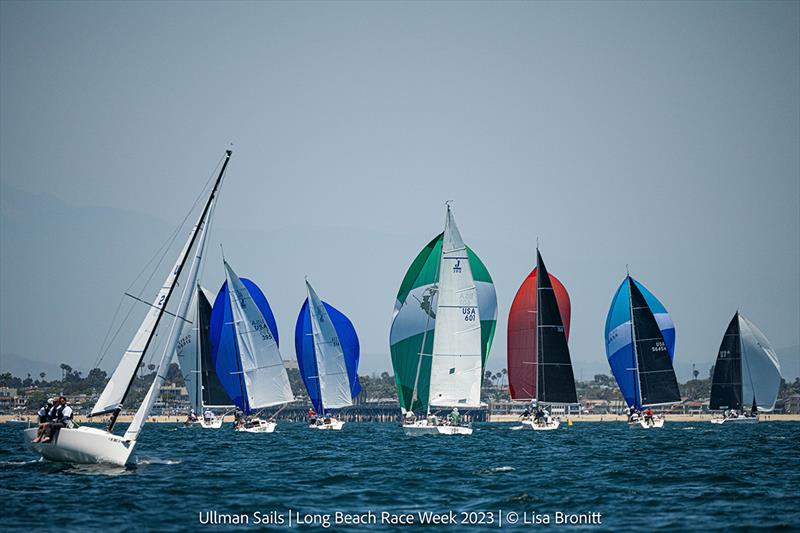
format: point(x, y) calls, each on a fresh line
point(505, 373)
point(65, 369)
point(42, 375)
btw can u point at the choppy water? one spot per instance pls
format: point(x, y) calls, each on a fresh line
point(686, 477)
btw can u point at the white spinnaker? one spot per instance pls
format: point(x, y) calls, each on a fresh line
point(188, 352)
point(265, 377)
point(172, 340)
point(456, 366)
point(761, 371)
point(117, 386)
point(334, 384)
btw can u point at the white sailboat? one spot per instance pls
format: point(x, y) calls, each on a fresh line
point(333, 381)
point(456, 365)
point(88, 445)
point(204, 389)
point(263, 377)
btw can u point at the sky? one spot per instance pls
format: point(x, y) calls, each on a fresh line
point(662, 136)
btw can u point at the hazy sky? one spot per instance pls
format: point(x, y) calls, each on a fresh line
point(660, 135)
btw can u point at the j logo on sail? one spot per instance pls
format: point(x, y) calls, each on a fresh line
point(457, 267)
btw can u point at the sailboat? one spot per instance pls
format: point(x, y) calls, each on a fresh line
point(194, 356)
point(747, 374)
point(539, 365)
point(327, 356)
point(640, 344)
point(89, 445)
point(244, 346)
point(444, 321)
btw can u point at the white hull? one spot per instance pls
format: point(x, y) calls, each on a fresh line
point(214, 423)
point(83, 445)
point(736, 420)
point(332, 424)
point(258, 426)
point(546, 426)
point(422, 427)
point(655, 423)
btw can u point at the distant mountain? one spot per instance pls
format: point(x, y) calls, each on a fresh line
point(22, 366)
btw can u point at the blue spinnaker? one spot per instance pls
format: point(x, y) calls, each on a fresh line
point(222, 337)
point(306, 358)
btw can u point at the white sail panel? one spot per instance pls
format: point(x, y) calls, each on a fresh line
point(761, 371)
point(456, 366)
point(334, 384)
point(188, 352)
point(265, 377)
point(143, 412)
point(117, 386)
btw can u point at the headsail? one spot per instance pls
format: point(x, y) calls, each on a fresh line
point(653, 323)
point(326, 339)
point(244, 346)
point(456, 366)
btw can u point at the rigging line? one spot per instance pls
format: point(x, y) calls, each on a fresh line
point(171, 239)
point(166, 245)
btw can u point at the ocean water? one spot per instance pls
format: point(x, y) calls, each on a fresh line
point(685, 477)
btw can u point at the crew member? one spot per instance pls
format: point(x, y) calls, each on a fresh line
point(62, 419)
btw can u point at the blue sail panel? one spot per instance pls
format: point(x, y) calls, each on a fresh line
point(619, 345)
point(306, 357)
point(619, 348)
point(222, 337)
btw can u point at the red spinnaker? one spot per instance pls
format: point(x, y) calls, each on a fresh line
point(522, 335)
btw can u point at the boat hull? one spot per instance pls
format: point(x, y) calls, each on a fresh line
point(737, 420)
point(333, 424)
point(259, 426)
point(83, 445)
point(547, 426)
point(655, 423)
point(214, 423)
point(423, 428)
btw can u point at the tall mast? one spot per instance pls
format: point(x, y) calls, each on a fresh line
point(539, 351)
point(175, 274)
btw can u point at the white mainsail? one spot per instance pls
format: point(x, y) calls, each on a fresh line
point(334, 384)
point(265, 377)
point(456, 365)
point(761, 371)
point(117, 387)
point(189, 351)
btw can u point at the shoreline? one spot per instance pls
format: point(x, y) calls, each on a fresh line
point(493, 419)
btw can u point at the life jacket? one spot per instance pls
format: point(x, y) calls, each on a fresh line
point(57, 413)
